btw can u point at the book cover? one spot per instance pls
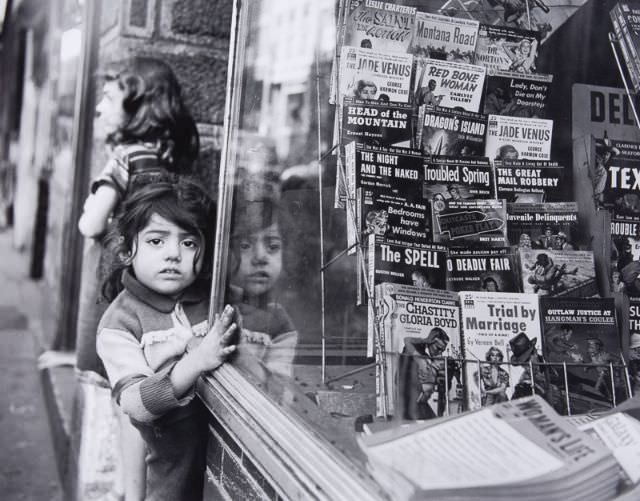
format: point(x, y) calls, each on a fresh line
point(493, 326)
point(522, 181)
point(616, 176)
point(470, 223)
point(628, 15)
point(507, 48)
point(371, 74)
point(378, 25)
point(421, 333)
point(582, 334)
point(517, 94)
point(376, 122)
point(491, 270)
point(621, 30)
point(444, 38)
point(448, 84)
point(558, 272)
point(543, 225)
point(514, 138)
point(386, 184)
point(420, 265)
point(458, 178)
point(444, 131)
point(625, 256)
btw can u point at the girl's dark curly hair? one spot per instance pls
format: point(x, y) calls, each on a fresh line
point(182, 202)
point(155, 111)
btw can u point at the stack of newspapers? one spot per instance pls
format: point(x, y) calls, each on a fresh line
point(625, 17)
point(518, 449)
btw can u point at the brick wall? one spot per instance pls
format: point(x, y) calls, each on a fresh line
point(231, 473)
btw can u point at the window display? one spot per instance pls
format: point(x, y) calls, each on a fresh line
point(403, 227)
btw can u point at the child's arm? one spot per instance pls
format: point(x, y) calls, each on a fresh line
point(97, 209)
point(207, 356)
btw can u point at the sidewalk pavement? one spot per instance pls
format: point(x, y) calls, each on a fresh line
point(29, 466)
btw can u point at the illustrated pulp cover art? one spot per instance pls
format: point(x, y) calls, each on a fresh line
point(525, 181)
point(544, 16)
point(420, 329)
point(558, 272)
point(386, 184)
point(625, 27)
point(491, 270)
point(513, 138)
point(422, 265)
point(444, 131)
point(543, 225)
point(506, 48)
point(582, 333)
point(517, 94)
point(497, 328)
point(470, 223)
point(456, 178)
point(378, 25)
point(448, 84)
point(370, 74)
point(376, 122)
point(625, 256)
point(616, 176)
point(445, 38)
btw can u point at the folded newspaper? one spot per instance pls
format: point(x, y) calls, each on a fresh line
point(520, 446)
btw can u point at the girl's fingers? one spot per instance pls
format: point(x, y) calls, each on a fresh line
point(228, 350)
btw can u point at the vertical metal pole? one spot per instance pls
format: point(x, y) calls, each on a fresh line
point(321, 215)
point(613, 386)
point(533, 385)
point(446, 385)
point(566, 388)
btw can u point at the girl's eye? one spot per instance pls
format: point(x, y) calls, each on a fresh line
point(274, 245)
point(244, 245)
point(190, 244)
point(154, 241)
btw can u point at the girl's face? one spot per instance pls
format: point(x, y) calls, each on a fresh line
point(164, 257)
point(111, 114)
point(260, 261)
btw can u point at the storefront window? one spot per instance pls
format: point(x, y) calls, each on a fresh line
point(299, 254)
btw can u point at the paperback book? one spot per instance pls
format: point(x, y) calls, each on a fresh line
point(457, 178)
point(496, 329)
point(420, 329)
point(517, 94)
point(490, 270)
point(448, 84)
point(543, 225)
point(444, 131)
point(376, 122)
point(523, 181)
point(374, 75)
point(386, 184)
point(445, 38)
point(558, 272)
point(378, 25)
point(581, 336)
point(513, 138)
point(470, 223)
point(507, 48)
point(423, 266)
point(616, 177)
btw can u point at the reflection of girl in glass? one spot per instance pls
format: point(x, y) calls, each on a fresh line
point(256, 265)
